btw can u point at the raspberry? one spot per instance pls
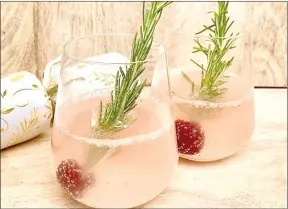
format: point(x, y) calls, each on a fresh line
point(71, 178)
point(190, 137)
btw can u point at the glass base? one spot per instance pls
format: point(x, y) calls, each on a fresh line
point(211, 160)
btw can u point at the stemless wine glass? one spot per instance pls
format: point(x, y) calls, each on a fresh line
point(214, 114)
point(126, 167)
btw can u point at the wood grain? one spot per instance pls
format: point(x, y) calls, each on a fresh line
point(254, 178)
point(61, 21)
point(269, 45)
point(17, 38)
point(34, 33)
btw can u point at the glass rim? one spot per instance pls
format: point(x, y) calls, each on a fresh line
point(85, 60)
point(203, 103)
point(196, 36)
point(124, 141)
point(210, 104)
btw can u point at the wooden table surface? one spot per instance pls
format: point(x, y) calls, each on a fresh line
point(255, 177)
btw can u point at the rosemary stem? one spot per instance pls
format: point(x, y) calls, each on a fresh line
point(127, 88)
point(213, 74)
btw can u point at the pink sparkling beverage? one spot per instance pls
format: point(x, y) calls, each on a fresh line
point(123, 168)
point(212, 87)
point(226, 125)
point(135, 164)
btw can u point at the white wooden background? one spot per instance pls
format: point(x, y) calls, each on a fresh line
point(32, 33)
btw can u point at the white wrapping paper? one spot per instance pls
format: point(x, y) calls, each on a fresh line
point(26, 109)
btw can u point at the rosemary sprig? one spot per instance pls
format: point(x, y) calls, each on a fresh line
point(213, 74)
point(127, 87)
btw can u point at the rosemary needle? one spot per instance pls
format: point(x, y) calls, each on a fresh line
point(127, 88)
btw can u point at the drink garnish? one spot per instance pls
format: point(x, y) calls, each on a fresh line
point(190, 137)
point(127, 86)
point(72, 179)
point(213, 74)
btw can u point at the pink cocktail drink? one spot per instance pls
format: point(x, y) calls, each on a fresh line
point(218, 129)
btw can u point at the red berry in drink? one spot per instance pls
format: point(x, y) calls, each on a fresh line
point(71, 178)
point(190, 137)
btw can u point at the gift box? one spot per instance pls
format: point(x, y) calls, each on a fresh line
point(26, 108)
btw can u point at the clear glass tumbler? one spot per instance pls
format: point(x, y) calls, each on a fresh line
point(132, 162)
point(212, 94)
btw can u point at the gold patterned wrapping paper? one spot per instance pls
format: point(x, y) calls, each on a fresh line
point(26, 109)
point(51, 75)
